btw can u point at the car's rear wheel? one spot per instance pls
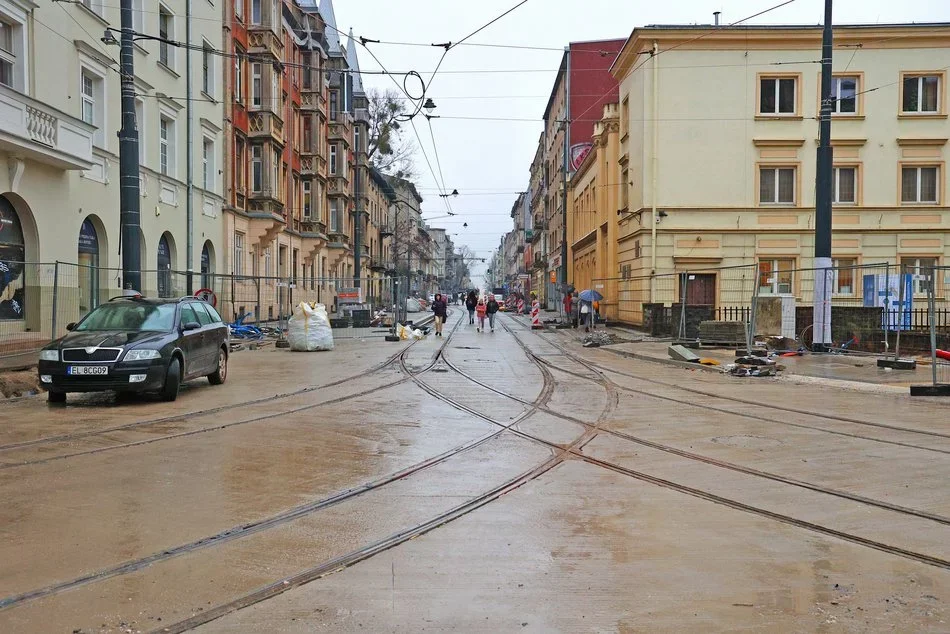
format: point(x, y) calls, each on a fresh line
point(56, 397)
point(220, 375)
point(172, 381)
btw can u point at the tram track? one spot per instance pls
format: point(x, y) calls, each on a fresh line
point(289, 515)
point(600, 370)
point(184, 418)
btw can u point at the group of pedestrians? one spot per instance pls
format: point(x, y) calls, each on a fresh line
point(479, 308)
point(580, 312)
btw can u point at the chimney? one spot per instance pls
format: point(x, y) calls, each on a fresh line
point(716, 16)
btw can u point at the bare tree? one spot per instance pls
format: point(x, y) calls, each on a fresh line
point(389, 151)
point(458, 270)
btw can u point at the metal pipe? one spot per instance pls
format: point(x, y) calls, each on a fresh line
point(129, 217)
point(656, 147)
point(189, 159)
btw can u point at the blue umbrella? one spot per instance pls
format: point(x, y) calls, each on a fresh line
point(590, 296)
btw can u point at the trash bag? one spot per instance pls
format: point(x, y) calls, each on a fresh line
point(309, 328)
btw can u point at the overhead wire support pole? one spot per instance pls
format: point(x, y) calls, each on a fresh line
point(189, 160)
point(821, 332)
point(129, 201)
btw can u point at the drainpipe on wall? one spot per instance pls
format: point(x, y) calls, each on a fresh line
point(656, 147)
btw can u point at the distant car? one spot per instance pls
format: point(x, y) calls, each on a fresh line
point(134, 344)
point(501, 301)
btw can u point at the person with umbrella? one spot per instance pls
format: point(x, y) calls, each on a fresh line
point(587, 298)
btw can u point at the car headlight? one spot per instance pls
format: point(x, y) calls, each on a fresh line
point(142, 355)
point(49, 355)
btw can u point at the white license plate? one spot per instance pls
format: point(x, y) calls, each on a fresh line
point(87, 370)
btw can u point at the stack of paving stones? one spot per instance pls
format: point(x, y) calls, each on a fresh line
point(729, 332)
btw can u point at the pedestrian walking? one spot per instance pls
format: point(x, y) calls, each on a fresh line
point(575, 310)
point(480, 309)
point(441, 310)
point(491, 308)
point(470, 303)
point(568, 301)
point(585, 315)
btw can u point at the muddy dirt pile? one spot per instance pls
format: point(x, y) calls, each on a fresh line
point(21, 383)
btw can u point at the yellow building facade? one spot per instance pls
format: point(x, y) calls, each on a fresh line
point(717, 149)
point(594, 197)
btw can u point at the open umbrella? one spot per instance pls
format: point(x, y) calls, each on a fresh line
point(590, 296)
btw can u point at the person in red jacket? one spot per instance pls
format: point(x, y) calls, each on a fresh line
point(481, 310)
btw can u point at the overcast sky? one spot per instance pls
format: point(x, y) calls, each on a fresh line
point(488, 161)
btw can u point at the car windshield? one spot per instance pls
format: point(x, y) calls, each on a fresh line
point(130, 316)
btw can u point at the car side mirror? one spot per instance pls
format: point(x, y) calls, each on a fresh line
point(71, 326)
point(190, 325)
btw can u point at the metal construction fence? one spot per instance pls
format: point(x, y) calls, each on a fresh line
point(939, 330)
point(38, 300)
point(878, 308)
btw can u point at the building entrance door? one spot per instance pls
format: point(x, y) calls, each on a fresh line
point(700, 289)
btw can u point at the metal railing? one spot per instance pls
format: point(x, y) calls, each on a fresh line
point(877, 308)
point(38, 300)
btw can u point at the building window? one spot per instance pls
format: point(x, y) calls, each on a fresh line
point(777, 95)
point(141, 126)
point(93, 5)
point(845, 185)
point(625, 117)
point(239, 9)
point(166, 31)
point(275, 174)
point(305, 62)
point(921, 93)
point(256, 81)
point(8, 58)
point(275, 104)
point(307, 134)
point(844, 90)
point(334, 105)
point(336, 220)
point(88, 99)
point(207, 69)
point(275, 14)
point(919, 184)
point(166, 137)
point(922, 270)
point(239, 254)
point(776, 276)
point(207, 163)
point(357, 147)
point(257, 168)
point(292, 197)
point(239, 164)
point(844, 272)
point(267, 263)
point(776, 185)
point(138, 16)
point(256, 11)
point(238, 74)
point(624, 189)
point(307, 199)
point(333, 159)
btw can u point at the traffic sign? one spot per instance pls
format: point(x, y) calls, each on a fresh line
point(207, 295)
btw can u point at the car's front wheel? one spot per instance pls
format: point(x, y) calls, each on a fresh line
point(172, 381)
point(220, 375)
point(56, 397)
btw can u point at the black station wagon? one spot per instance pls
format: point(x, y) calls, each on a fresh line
point(137, 344)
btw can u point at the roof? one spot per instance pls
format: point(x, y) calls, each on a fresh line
point(332, 33)
point(353, 61)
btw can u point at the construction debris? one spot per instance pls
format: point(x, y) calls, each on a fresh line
point(752, 366)
point(680, 353)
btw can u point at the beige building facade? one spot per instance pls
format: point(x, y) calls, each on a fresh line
point(59, 155)
point(718, 145)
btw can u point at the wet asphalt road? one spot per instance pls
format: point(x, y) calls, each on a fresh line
point(506, 481)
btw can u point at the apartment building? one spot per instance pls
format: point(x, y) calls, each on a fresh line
point(593, 219)
point(583, 85)
point(729, 121)
point(59, 84)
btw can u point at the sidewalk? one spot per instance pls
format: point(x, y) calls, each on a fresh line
point(844, 370)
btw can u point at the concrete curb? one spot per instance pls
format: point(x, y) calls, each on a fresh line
point(670, 362)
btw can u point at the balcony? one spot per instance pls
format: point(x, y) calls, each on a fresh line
point(261, 39)
point(266, 124)
point(313, 228)
point(34, 130)
point(339, 131)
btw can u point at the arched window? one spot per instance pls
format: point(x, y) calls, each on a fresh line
point(12, 263)
point(88, 260)
point(207, 265)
